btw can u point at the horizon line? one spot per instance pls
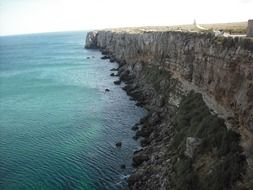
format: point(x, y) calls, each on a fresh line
point(83, 30)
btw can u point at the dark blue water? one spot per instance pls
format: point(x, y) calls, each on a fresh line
point(58, 127)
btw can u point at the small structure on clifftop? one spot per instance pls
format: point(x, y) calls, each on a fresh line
point(250, 28)
point(198, 26)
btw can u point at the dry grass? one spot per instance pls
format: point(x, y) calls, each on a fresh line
point(232, 28)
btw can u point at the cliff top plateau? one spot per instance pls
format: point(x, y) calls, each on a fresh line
point(236, 28)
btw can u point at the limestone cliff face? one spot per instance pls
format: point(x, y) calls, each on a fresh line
point(220, 68)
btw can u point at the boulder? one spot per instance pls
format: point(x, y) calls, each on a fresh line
point(138, 150)
point(191, 144)
point(117, 82)
point(112, 60)
point(145, 131)
point(139, 104)
point(131, 99)
point(134, 178)
point(124, 75)
point(135, 137)
point(139, 159)
point(135, 128)
point(105, 57)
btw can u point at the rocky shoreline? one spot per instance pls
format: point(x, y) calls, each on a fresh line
point(185, 145)
point(155, 162)
point(151, 160)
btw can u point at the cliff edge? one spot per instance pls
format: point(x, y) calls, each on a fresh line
point(171, 72)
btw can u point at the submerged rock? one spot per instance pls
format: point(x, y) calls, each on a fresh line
point(118, 144)
point(139, 104)
point(107, 90)
point(123, 166)
point(117, 82)
point(114, 69)
point(112, 60)
point(135, 128)
point(105, 57)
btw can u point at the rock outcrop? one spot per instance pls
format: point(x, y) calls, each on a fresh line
point(191, 144)
point(161, 68)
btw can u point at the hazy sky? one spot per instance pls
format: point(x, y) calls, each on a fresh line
point(30, 16)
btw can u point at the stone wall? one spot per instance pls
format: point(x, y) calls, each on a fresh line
point(250, 28)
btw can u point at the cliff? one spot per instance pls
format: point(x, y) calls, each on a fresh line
point(162, 67)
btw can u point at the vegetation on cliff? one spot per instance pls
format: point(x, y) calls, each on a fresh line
point(217, 163)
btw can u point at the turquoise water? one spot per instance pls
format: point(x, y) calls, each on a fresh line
point(58, 127)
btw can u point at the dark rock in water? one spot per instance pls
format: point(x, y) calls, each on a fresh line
point(104, 52)
point(142, 120)
point(124, 75)
point(145, 131)
point(93, 57)
point(112, 60)
point(87, 57)
point(105, 57)
point(107, 90)
point(138, 134)
point(114, 69)
point(145, 142)
point(118, 144)
point(139, 104)
point(136, 94)
point(126, 88)
point(117, 82)
point(135, 128)
point(139, 150)
point(123, 166)
point(139, 158)
point(114, 75)
point(135, 137)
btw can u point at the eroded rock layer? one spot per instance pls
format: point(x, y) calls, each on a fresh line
point(161, 68)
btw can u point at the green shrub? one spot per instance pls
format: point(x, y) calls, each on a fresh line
point(220, 147)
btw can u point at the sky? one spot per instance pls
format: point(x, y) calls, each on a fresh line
point(33, 16)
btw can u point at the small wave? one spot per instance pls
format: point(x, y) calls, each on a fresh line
point(125, 176)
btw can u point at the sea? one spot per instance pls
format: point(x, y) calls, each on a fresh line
point(58, 125)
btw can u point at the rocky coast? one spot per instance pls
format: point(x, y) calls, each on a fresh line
point(198, 90)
